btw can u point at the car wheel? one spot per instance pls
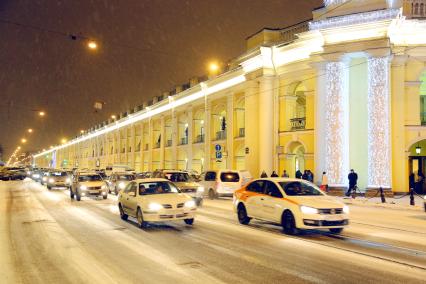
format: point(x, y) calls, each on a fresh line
point(243, 218)
point(141, 223)
point(212, 195)
point(105, 196)
point(336, 230)
point(189, 221)
point(49, 188)
point(289, 224)
point(123, 215)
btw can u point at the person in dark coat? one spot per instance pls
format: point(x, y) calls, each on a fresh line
point(263, 175)
point(274, 175)
point(353, 179)
point(305, 175)
point(299, 174)
point(310, 176)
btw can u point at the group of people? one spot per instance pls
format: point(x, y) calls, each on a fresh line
point(352, 177)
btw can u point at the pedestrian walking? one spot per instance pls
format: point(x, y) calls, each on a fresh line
point(310, 176)
point(274, 174)
point(285, 174)
point(324, 181)
point(263, 174)
point(305, 175)
point(299, 174)
point(353, 179)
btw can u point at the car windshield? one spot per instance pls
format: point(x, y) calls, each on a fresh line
point(126, 177)
point(59, 174)
point(178, 177)
point(159, 187)
point(297, 188)
point(230, 177)
point(90, 178)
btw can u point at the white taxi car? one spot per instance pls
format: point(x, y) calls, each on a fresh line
point(155, 200)
point(293, 203)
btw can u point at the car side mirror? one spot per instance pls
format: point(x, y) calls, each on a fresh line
point(132, 194)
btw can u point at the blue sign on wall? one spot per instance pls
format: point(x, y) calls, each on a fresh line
point(218, 155)
point(218, 147)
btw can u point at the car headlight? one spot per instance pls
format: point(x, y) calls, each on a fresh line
point(190, 204)
point(44, 178)
point(51, 180)
point(155, 206)
point(83, 187)
point(308, 210)
point(68, 180)
point(103, 187)
point(28, 173)
point(121, 185)
point(346, 209)
point(200, 189)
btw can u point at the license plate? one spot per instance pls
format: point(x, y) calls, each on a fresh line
point(93, 191)
point(333, 218)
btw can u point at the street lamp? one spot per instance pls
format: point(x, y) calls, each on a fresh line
point(213, 67)
point(41, 113)
point(418, 149)
point(63, 141)
point(30, 130)
point(113, 116)
point(23, 140)
point(82, 131)
point(92, 45)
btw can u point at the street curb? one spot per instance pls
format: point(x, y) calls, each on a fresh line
point(393, 206)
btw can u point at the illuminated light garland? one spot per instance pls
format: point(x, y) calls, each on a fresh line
point(334, 2)
point(354, 19)
point(378, 122)
point(336, 120)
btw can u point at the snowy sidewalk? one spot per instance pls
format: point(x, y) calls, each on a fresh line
point(391, 203)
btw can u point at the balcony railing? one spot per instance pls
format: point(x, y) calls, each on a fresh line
point(298, 123)
point(221, 135)
point(242, 132)
point(184, 141)
point(199, 138)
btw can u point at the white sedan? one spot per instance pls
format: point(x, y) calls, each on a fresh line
point(293, 203)
point(155, 200)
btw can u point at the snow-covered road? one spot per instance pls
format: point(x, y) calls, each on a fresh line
point(47, 238)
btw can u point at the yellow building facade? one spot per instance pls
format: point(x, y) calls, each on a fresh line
point(344, 90)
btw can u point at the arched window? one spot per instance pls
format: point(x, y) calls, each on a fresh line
point(416, 9)
point(422, 9)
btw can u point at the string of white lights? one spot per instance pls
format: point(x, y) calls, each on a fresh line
point(336, 120)
point(378, 122)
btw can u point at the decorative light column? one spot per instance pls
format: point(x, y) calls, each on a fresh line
point(379, 160)
point(266, 126)
point(337, 123)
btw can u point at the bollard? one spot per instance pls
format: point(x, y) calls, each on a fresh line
point(382, 195)
point(412, 203)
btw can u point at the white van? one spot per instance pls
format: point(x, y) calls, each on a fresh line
point(117, 168)
point(218, 183)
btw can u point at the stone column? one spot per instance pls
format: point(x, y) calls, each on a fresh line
point(133, 144)
point(266, 124)
point(174, 139)
point(207, 133)
point(150, 142)
point(230, 131)
point(336, 123)
point(163, 139)
point(190, 121)
point(251, 101)
point(379, 123)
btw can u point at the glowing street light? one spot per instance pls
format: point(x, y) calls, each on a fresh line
point(213, 67)
point(51, 147)
point(30, 130)
point(41, 113)
point(113, 116)
point(19, 147)
point(63, 141)
point(92, 45)
point(23, 140)
point(82, 131)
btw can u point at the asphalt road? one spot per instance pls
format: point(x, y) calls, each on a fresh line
point(47, 238)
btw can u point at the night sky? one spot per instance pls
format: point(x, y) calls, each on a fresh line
point(146, 47)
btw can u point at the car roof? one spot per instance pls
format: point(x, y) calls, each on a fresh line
point(123, 173)
point(150, 179)
point(280, 179)
point(88, 173)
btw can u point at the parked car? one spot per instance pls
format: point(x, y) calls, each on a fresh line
point(184, 182)
point(218, 183)
point(293, 203)
point(119, 180)
point(88, 184)
point(59, 179)
point(155, 200)
point(117, 168)
point(16, 173)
